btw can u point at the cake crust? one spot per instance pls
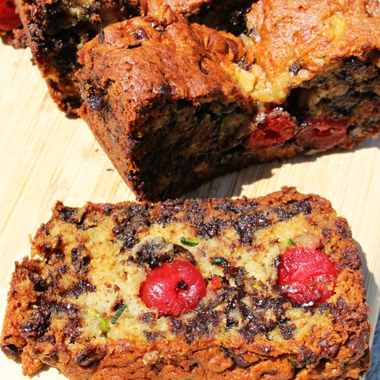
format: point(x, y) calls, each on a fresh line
point(175, 104)
point(96, 257)
point(57, 29)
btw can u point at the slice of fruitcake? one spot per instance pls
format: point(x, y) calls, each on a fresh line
point(175, 104)
point(197, 289)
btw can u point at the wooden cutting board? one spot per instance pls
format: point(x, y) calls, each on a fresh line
point(45, 157)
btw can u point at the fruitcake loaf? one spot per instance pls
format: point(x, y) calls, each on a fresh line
point(192, 289)
point(57, 29)
point(175, 104)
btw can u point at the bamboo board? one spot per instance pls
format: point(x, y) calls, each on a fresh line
point(45, 157)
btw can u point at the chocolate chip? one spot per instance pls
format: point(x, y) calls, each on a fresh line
point(357, 344)
point(234, 48)
point(88, 357)
point(286, 330)
point(203, 67)
point(254, 35)
point(68, 214)
point(101, 36)
point(294, 68)
point(151, 335)
point(240, 361)
point(140, 34)
point(133, 46)
point(10, 351)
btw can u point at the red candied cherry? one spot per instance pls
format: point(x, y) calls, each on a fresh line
point(9, 19)
point(306, 276)
point(322, 134)
point(173, 288)
point(275, 130)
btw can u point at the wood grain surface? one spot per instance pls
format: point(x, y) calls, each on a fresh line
point(45, 157)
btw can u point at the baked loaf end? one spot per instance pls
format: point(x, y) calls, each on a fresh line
point(92, 260)
point(156, 96)
point(184, 103)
